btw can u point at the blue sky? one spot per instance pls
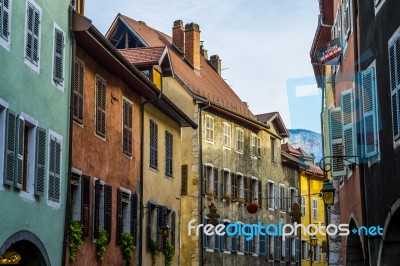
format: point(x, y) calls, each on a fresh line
point(264, 46)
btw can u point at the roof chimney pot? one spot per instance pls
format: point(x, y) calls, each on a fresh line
point(178, 36)
point(192, 45)
point(215, 61)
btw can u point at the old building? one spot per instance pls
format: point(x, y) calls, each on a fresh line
point(121, 122)
point(34, 98)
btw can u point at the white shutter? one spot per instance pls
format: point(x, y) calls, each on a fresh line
point(11, 129)
point(19, 173)
point(336, 141)
point(369, 112)
point(58, 71)
point(349, 134)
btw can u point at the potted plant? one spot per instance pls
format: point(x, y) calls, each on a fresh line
point(155, 251)
point(169, 253)
point(127, 247)
point(75, 238)
point(210, 194)
point(227, 197)
point(101, 241)
point(252, 207)
point(241, 201)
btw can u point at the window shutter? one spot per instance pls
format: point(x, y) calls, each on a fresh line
point(262, 244)
point(108, 210)
point(78, 85)
point(233, 186)
point(336, 141)
point(168, 153)
point(346, 17)
point(159, 223)
point(184, 173)
point(246, 246)
point(278, 246)
point(149, 221)
point(267, 249)
point(96, 221)
point(40, 161)
point(5, 24)
point(119, 216)
point(289, 199)
point(85, 204)
point(134, 216)
point(297, 246)
point(245, 186)
point(19, 174)
point(153, 144)
point(217, 242)
point(349, 136)
point(369, 112)
point(10, 154)
point(173, 221)
point(101, 107)
point(287, 245)
point(204, 180)
point(127, 128)
point(216, 188)
point(258, 147)
point(234, 243)
point(32, 40)
point(260, 199)
point(58, 71)
point(394, 67)
point(223, 184)
point(276, 195)
point(204, 236)
point(54, 169)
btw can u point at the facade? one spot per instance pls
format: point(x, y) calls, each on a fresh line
point(231, 160)
point(35, 52)
point(110, 171)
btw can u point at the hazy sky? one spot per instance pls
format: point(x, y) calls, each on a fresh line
point(264, 46)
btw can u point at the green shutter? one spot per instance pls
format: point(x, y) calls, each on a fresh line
point(19, 170)
point(58, 71)
point(5, 16)
point(336, 141)
point(10, 154)
point(40, 161)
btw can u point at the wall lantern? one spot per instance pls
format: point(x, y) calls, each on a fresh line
point(328, 193)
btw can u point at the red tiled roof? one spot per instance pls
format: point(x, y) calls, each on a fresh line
point(290, 149)
point(209, 84)
point(297, 156)
point(144, 55)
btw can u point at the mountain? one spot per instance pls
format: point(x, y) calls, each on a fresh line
point(308, 140)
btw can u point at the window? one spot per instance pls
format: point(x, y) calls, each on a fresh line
point(168, 153)
point(271, 244)
point(102, 208)
point(225, 239)
point(259, 198)
point(208, 240)
point(247, 190)
point(304, 250)
point(78, 85)
point(314, 208)
point(394, 69)
point(303, 205)
point(239, 140)
point(282, 199)
point(80, 200)
point(226, 179)
point(292, 198)
point(5, 22)
point(336, 141)
point(234, 187)
point(209, 128)
point(271, 195)
point(349, 134)
point(346, 19)
point(316, 253)
point(127, 207)
point(210, 180)
point(100, 107)
point(369, 112)
point(240, 186)
point(274, 150)
point(127, 127)
point(58, 57)
point(153, 144)
point(32, 35)
point(255, 146)
point(227, 134)
point(262, 244)
point(54, 168)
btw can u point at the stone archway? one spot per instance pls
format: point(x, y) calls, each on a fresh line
point(354, 251)
point(29, 247)
point(390, 247)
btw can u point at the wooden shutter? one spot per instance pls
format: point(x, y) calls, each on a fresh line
point(369, 112)
point(173, 233)
point(297, 246)
point(134, 216)
point(258, 147)
point(149, 221)
point(100, 107)
point(127, 128)
point(393, 69)
point(216, 183)
point(19, 174)
point(32, 39)
point(119, 216)
point(203, 235)
point(5, 24)
point(204, 180)
point(233, 186)
point(85, 204)
point(246, 188)
point(108, 210)
point(261, 244)
point(58, 71)
point(159, 224)
point(153, 144)
point(246, 246)
point(78, 86)
point(40, 161)
point(336, 141)
point(10, 154)
point(168, 153)
point(54, 169)
point(184, 174)
point(260, 199)
point(346, 17)
point(349, 134)
point(96, 222)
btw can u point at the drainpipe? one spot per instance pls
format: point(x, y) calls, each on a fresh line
point(200, 177)
point(141, 179)
point(68, 196)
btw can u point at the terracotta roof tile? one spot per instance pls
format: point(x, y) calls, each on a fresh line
point(290, 149)
point(143, 55)
point(208, 84)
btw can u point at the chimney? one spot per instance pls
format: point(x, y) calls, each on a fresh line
point(216, 63)
point(178, 36)
point(203, 51)
point(192, 44)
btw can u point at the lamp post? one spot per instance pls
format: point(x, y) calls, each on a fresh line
point(313, 243)
point(328, 196)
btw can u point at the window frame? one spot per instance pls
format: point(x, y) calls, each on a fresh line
point(27, 61)
point(239, 140)
point(209, 128)
point(56, 136)
point(58, 84)
point(227, 135)
point(5, 41)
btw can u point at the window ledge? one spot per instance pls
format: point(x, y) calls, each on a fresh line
point(210, 250)
point(153, 169)
point(240, 253)
point(209, 141)
point(100, 137)
point(226, 148)
point(254, 255)
point(32, 66)
point(227, 252)
point(26, 195)
point(53, 204)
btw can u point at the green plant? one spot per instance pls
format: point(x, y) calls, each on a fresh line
point(155, 251)
point(75, 238)
point(101, 242)
point(228, 197)
point(127, 246)
point(169, 253)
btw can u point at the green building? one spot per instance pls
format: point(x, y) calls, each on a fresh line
point(35, 58)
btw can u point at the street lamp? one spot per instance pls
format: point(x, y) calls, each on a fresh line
point(313, 243)
point(328, 193)
point(164, 229)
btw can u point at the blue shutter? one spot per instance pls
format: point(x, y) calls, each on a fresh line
point(349, 134)
point(247, 246)
point(234, 240)
point(217, 240)
point(262, 244)
point(10, 153)
point(204, 236)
